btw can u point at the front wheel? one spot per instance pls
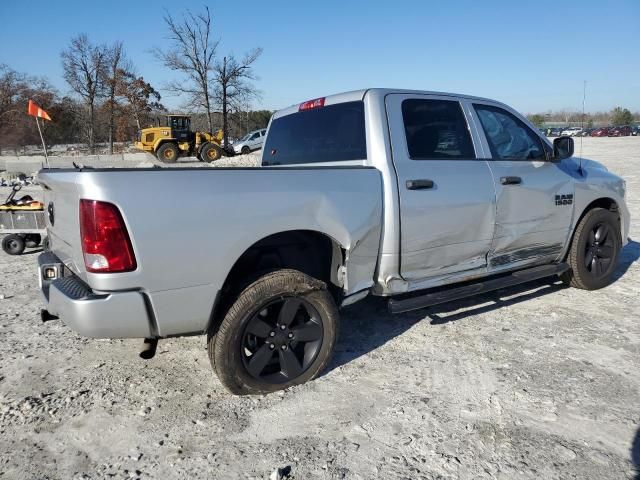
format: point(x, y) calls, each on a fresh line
point(280, 332)
point(594, 251)
point(13, 244)
point(210, 152)
point(245, 150)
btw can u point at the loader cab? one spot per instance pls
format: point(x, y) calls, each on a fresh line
point(180, 127)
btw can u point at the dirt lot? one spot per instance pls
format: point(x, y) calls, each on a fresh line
point(532, 382)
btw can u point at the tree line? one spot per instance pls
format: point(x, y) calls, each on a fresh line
point(618, 116)
point(109, 101)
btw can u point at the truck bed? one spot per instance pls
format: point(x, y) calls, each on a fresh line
point(189, 226)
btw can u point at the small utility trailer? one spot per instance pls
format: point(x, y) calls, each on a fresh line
point(21, 223)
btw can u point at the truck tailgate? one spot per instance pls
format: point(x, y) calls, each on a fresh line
point(61, 201)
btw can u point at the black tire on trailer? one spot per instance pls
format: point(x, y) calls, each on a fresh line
point(280, 331)
point(168, 152)
point(33, 240)
point(594, 251)
point(245, 150)
point(13, 244)
point(210, 152)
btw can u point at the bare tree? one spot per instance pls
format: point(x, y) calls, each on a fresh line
point(233, 88)
point(211, 83)
point(114, 73)
point(84, 64)
point(193, 54)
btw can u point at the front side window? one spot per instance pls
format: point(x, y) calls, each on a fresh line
point(436, 130)
point(178, 123)
point(509, 138)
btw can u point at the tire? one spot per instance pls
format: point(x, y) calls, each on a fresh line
point(594, 251)
point(210, 152)
point(33, 240)
point(13, 244)
point(45, 244)
point(245, 150)
point(243, 350)
point(168, 153)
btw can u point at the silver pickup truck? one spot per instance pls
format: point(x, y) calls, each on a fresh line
point(421, 197)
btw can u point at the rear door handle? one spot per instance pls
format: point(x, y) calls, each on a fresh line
point(510, 180)
point(421, 184)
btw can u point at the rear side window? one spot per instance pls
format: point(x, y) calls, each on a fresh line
point(334, 133)
point(436, 130)
point(509, 138)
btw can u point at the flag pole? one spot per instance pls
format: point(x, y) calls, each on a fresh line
point(44, 146)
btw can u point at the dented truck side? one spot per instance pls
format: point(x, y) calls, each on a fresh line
point(377, 191)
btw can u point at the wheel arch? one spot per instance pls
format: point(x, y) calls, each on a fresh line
point(162, 141)
point(607, 203)
point(311, 252)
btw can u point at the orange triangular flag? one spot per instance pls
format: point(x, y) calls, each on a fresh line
point(36, 111)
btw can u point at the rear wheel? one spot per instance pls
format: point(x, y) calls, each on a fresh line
point(13, 244)
point(168, 152)
point(594, 251)
point(210, 152)
point(280, 332)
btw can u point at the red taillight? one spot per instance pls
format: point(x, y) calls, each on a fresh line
point(317, 103)
point(105, 242)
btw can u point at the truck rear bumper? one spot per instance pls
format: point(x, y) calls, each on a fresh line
point(97, 315)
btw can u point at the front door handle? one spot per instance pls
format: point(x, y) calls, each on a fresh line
point(510, 180)
point(421, 184)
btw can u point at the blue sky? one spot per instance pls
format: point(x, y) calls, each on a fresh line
point(526, 54)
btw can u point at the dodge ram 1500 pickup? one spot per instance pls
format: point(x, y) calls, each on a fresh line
point(384, 192)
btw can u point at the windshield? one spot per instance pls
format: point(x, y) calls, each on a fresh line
point(334, 133)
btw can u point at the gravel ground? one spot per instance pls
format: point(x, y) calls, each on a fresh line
point(538, 381)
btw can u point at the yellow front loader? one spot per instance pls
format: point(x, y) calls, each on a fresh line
point(176, 139)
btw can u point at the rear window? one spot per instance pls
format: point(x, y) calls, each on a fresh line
point(334, 133)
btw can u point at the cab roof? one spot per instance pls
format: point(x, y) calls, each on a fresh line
point(358, 95)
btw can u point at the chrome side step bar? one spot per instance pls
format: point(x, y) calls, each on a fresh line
point(487, 285)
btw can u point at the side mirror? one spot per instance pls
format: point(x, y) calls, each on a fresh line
point(562, 148)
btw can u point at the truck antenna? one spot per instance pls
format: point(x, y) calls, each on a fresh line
point(584, 99)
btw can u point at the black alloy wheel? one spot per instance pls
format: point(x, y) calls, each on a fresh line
point(282, 340)
point(280, 331)
point(599, 250)
point(594, 251)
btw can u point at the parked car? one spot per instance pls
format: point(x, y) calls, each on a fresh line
point(571, 131)
point(554, 132)
point(623, 131)
point(635, 131)
point(357, 196)
point(600, 132)
point(251, 141)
